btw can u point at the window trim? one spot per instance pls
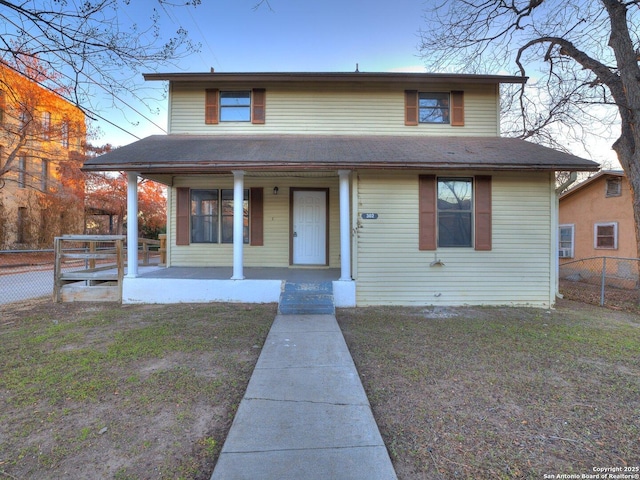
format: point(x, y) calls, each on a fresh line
point(596, 237)
point(571, 253)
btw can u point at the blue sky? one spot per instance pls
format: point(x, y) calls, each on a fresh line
point(292, 35)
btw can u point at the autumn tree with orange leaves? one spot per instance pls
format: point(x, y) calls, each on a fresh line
point(107, 198)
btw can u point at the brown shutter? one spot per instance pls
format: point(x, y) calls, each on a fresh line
point(427, 212)
point(211, 106)
point(183, 209)
point(457, 108)
point(411, 107)
point(256, 212)
point(483, 212)
point(258, 105)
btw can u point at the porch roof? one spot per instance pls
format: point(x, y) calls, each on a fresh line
point(176, 154)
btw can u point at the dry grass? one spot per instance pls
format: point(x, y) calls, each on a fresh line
point(486, 393)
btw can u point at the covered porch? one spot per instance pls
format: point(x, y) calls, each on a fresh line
point(243, 270)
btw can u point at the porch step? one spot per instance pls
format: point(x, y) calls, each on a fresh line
point(307, 299)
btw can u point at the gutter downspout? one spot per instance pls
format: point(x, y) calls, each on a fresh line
point(573, 176)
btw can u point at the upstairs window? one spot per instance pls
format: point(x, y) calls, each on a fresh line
point(44, 175)
point(235, 106)
point(46, 125)
point(22, 171)
point(3, 106)
point(614, 187)
point(64, 134)
point(433, 107)
point(444, 108)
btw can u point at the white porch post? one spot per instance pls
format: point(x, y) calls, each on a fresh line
point(238, 224)
point(132, 224)
point(345, 227)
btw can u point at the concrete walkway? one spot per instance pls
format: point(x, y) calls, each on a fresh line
point(305, 414)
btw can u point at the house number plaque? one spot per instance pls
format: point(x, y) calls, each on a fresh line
point(369, 216)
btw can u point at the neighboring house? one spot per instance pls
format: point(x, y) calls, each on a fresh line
point(596, 219)
point(41, 185)
point(397, 186)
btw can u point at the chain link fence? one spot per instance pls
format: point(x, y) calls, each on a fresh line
point(606, 281)
point(28, 274)
point(25, 274)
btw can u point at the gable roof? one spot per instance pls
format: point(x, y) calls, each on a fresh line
point(222, 153)
point(591, 180)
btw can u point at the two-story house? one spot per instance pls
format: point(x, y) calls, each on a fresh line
point(397, 187)
point(41, 185)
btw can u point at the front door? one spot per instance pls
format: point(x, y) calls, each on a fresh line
point(309, 227)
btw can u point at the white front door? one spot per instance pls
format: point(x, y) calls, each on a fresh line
point(309, 227)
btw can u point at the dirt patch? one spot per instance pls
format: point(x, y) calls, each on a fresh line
point(106, 391)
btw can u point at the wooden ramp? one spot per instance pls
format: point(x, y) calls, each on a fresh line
point(88, 268)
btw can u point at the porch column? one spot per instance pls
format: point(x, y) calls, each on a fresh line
point(345, 227)
point(132, 224)
point(238, 224)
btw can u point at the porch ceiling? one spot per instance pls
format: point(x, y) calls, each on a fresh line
point(177, 154)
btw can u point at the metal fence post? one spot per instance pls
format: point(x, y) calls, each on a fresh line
point(603, 280)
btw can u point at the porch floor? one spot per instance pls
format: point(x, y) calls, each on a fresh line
point(250, 273)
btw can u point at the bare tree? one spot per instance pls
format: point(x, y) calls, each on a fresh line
point(582, 56)
point(94, 46)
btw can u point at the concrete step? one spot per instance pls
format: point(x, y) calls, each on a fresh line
point(307, 299)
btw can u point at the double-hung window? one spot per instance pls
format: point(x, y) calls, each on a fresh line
point(235, 106)
point(228, 106)
point(565, 241)
point(455, 212)
point(212, 216)
point(433, 107)
point(605, 235)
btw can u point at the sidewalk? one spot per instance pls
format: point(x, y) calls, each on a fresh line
point(305, 414)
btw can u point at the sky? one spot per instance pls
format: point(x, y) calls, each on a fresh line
point(283, 36)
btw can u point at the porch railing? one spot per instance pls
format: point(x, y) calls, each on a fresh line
point(88, 268)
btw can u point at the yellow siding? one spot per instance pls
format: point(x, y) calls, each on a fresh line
point(334, 110)
point(391, 269)
point(275, 251)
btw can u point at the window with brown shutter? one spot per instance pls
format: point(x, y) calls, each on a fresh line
point(256, 211)
point(211, 106)
point(446, 212)
point(258, 105)
point(411, 107)
point(183, 213)
point(427, 212)
point(457, 108)
point(483, 212)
